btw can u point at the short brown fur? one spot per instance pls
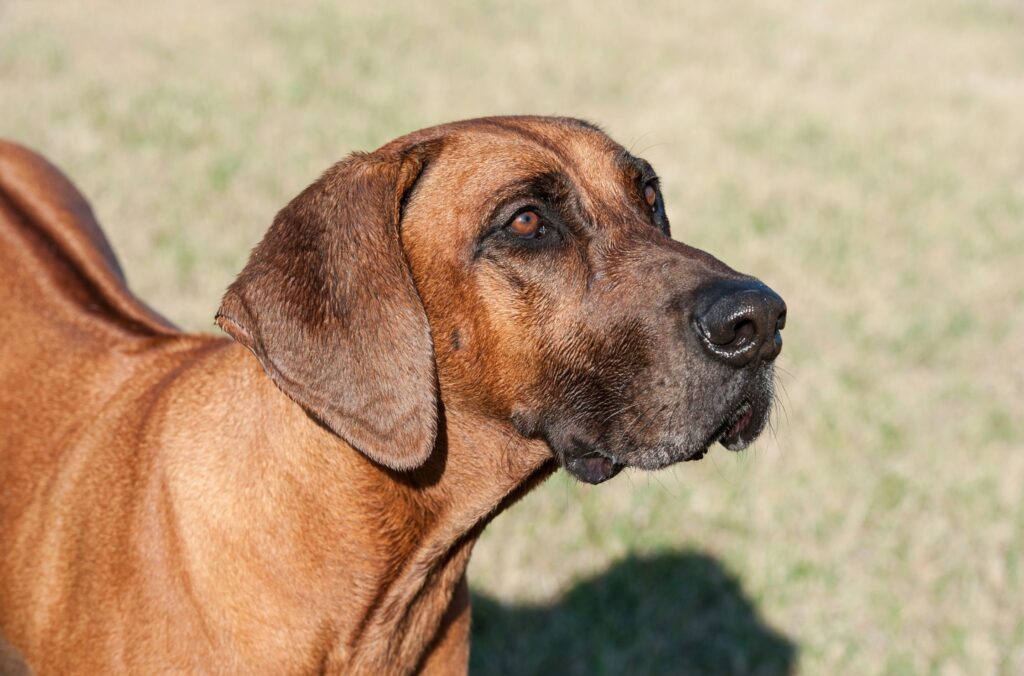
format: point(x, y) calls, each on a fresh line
point(167, 506)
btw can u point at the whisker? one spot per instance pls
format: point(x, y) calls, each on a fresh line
point(621, 410)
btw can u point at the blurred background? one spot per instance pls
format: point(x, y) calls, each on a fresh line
point(864, 157)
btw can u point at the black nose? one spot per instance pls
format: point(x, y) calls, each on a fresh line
point(740, 322)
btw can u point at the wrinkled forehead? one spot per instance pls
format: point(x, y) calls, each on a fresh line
point(491, 156)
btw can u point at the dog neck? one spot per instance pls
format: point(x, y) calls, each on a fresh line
point(381, 553)
point(478, 469)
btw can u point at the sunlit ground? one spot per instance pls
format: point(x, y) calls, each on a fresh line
point(865, 158)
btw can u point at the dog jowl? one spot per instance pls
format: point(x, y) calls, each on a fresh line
point(540, 256)
point(437, 326)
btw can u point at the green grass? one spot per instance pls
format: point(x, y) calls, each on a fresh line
point(866, 158)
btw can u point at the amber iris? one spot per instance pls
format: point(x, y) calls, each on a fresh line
point(651, 195)
point(526, 224)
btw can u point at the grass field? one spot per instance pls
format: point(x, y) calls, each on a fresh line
point(864, 157)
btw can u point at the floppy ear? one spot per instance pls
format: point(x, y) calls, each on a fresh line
point(328, 306)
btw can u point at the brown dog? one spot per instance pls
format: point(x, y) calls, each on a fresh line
point(444, 322)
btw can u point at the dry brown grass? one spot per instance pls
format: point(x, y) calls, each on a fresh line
point(865, 158)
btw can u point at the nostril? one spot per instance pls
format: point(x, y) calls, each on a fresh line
point(727, 329)
point(742, 322)
point(746, 331)
point(775, 346)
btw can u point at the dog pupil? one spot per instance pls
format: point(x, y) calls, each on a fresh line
point(528, 225)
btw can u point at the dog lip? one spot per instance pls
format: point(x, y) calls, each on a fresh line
point(593, 468)
point(736, 425)
point(701, 452)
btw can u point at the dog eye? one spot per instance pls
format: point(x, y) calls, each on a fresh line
point(527, 225)
point(656, 205)
point(651, 195)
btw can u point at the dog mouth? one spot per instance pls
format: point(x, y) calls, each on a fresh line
point(733, 432)
point(736, 432)
point(592, 463)
point(594, 467)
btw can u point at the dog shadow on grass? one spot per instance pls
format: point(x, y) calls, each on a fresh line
point(676, 613)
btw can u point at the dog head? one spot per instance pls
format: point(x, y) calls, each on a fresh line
point(521, 268)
